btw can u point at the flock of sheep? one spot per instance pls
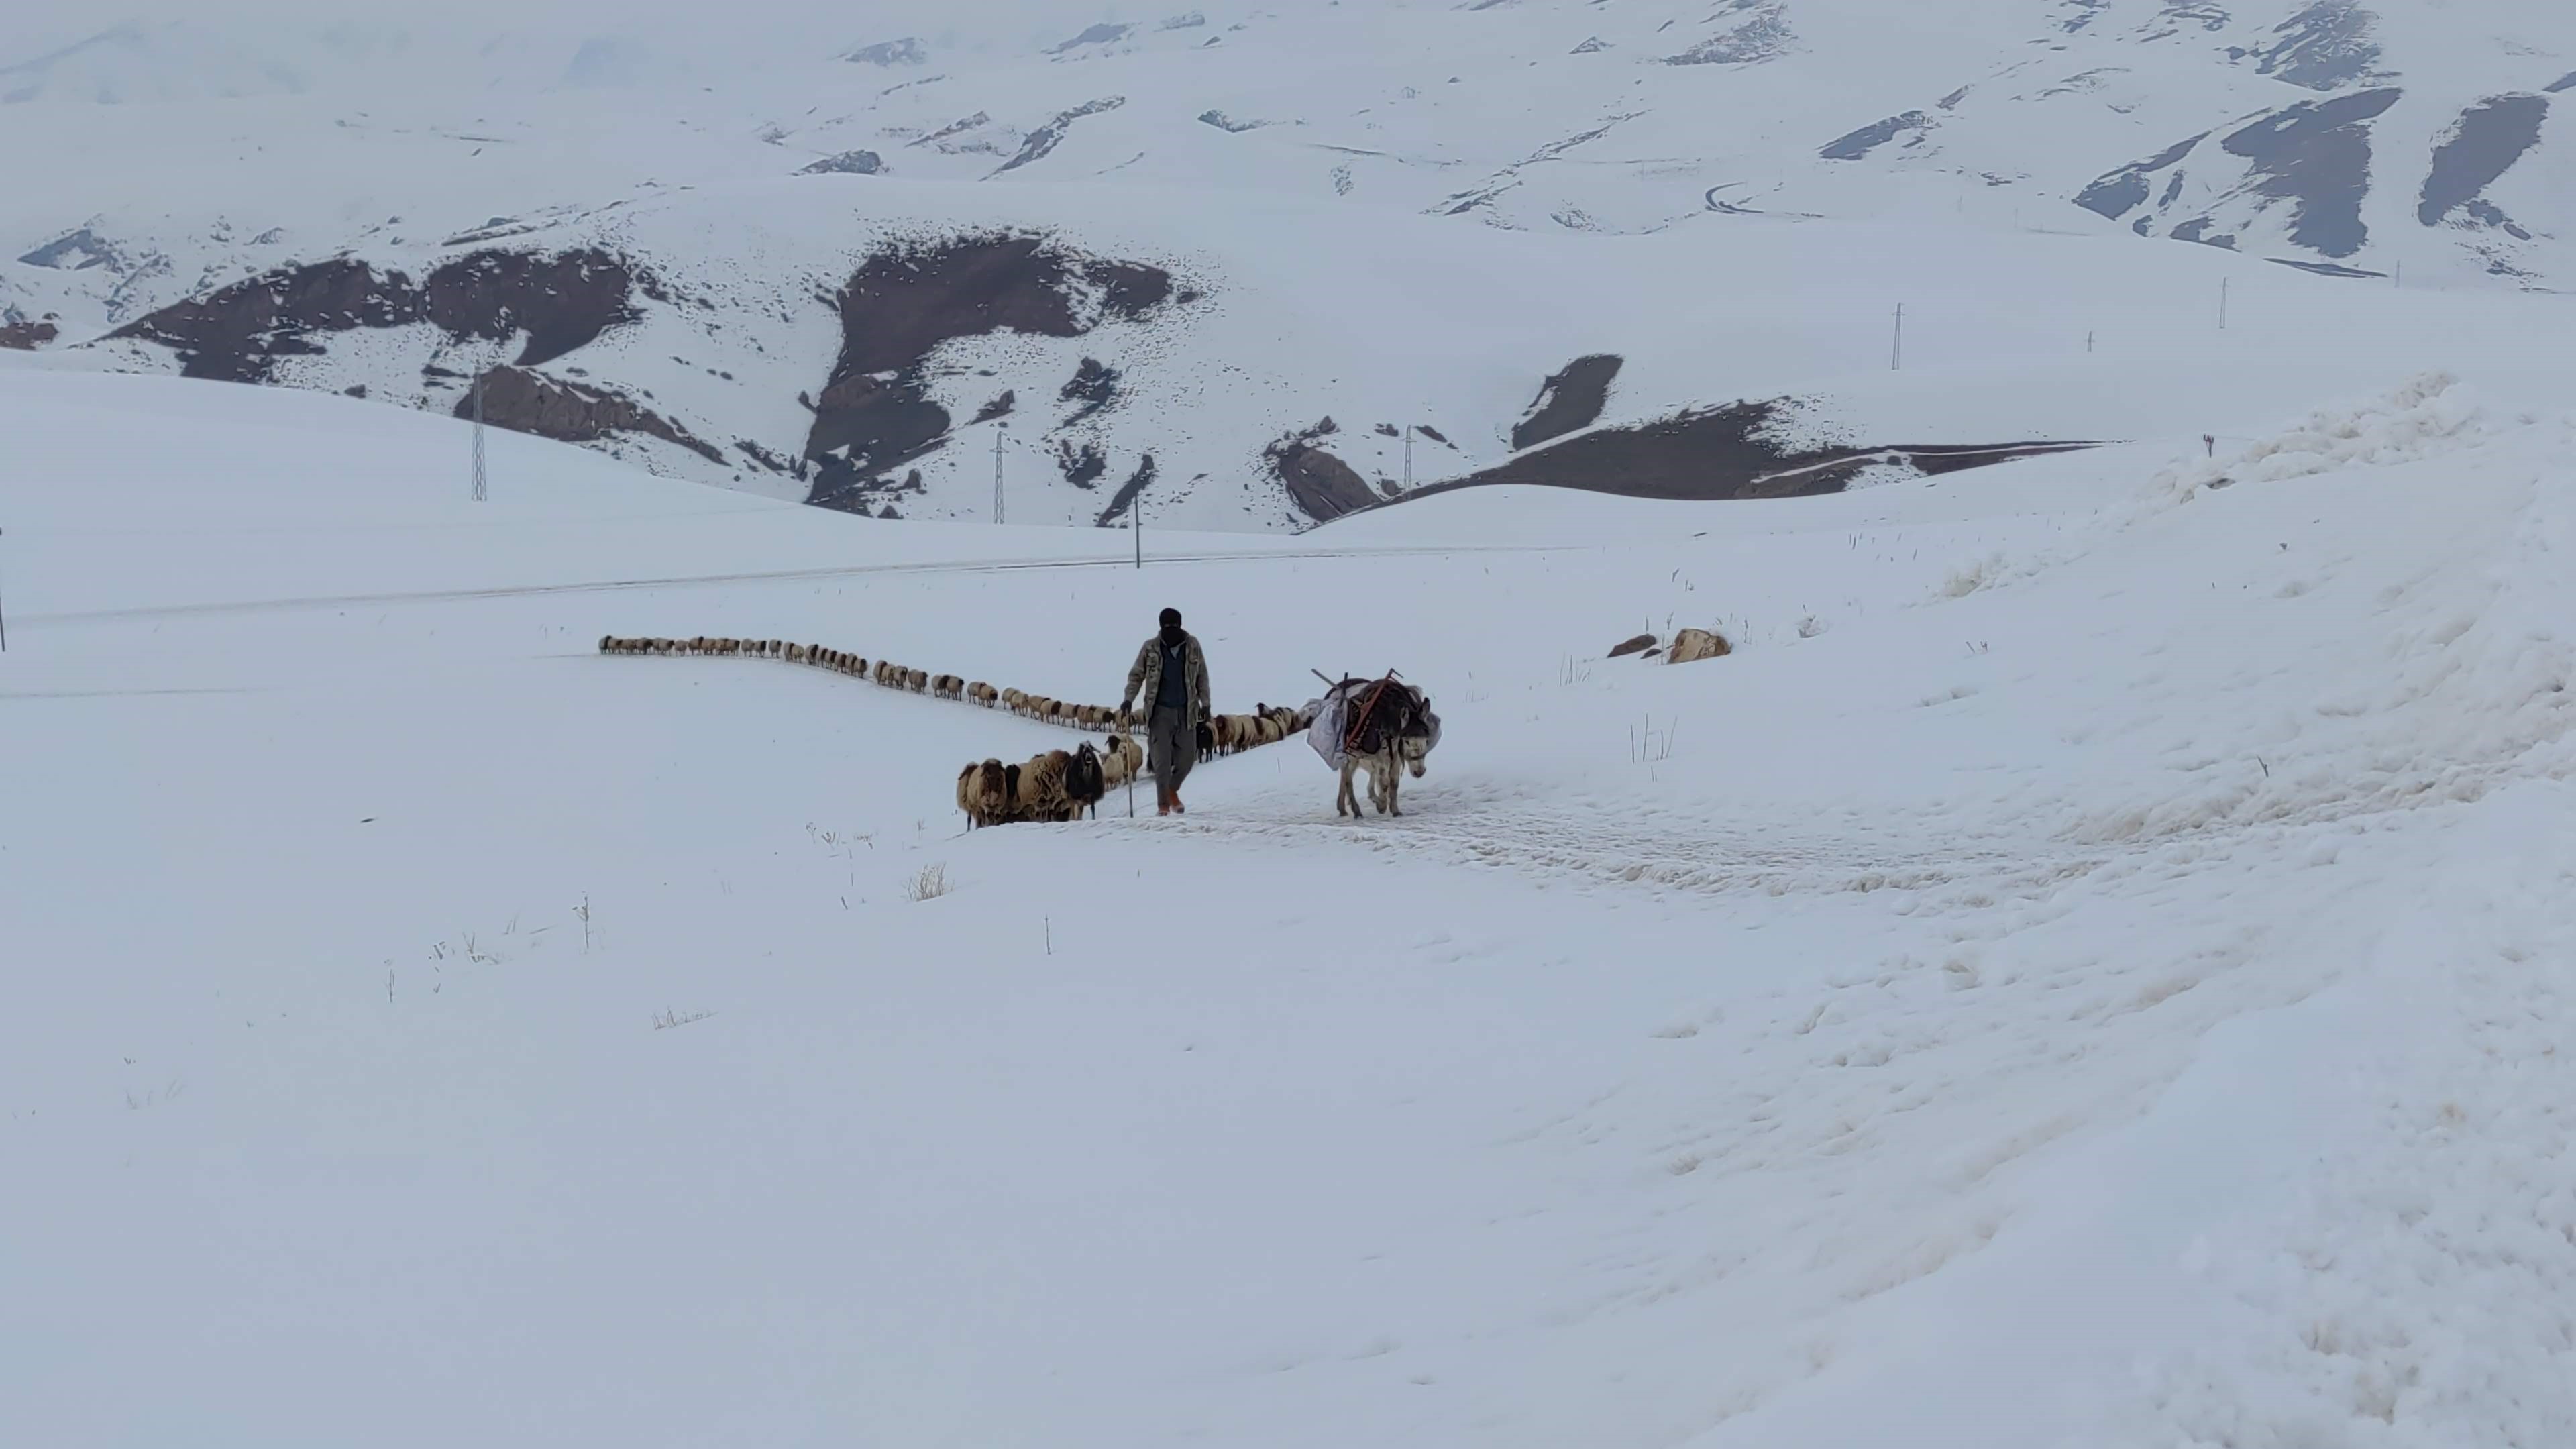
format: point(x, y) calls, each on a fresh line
point(1056, 785)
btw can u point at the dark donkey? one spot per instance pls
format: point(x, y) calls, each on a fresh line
point(1387, 729)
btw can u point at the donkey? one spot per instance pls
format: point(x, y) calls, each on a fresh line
point(1389, 734)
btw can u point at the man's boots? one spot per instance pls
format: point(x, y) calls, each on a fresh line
point(1162, 800)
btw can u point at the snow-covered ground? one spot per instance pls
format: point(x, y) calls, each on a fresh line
point(2092, 968)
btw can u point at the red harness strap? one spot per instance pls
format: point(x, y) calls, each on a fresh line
point(1358, 727)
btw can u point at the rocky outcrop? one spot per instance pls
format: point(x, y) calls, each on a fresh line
point(2324, 47)
point(1569, 400)
point(1857, 144)
point(569, 412)
point(847, 163)
point(2481, 146)
point(76, 251)
point(2313, 158)
point(1047, 137)
point(1760, 33)
point(875, 413)
point(1322, 486)
point(561, 302)
point(907, 51)
point(1082, 465)
point(1094, 386)
point(2316, 156)
point(1724, 452)
point(1102, 34)
point(1128, 492)
point(22, 335)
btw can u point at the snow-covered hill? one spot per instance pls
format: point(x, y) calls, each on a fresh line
point(2092, 967)
point(1166, 248)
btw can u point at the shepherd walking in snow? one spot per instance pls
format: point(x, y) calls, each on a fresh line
point(1170, 683)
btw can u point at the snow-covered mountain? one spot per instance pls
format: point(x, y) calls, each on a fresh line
point(1220, 263)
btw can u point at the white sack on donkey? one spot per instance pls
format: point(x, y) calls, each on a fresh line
point(1383, 726)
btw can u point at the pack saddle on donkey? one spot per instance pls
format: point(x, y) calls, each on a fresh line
point(1384, 726)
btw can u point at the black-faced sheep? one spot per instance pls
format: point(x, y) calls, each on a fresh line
point(1121, 759)
point(982, 694)
point(1084, 782)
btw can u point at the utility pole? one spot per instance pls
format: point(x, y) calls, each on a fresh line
point(2222, 303)
point(4, 623)
point(1896, 355)
point(1000, 430)
point(1136, 526)
point(1408, 457)
point(481, 490)
point(2088, 341)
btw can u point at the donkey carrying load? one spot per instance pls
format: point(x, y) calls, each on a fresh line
point(1383, 726)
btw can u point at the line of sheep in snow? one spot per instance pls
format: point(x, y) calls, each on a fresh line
point(1057, 785)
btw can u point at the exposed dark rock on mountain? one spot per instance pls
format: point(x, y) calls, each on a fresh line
point(76, 252)
point(2316, 156)
point(1047, 137)
point(1762, 35)
point(1137, 482)
point(1860, 143)
point(1104, 34)
point(847, 163)
point(2481, 146)
point(868, 496)
point(561, 302)
point(767, 459)
point(875, 412)
point(1094, 385)
point(1568, 400)
point(1081, 466)
point(568, 412)
point(1719, 453)
point(999, 407)
point(1321, 485)
point(2325, 269)
point(26, 335)
point(907, 51)
point(2324, 47)
point(2117, 194)
point(2565, 82)
point(958, 127)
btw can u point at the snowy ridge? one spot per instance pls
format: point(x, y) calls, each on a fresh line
point(1538, 182)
